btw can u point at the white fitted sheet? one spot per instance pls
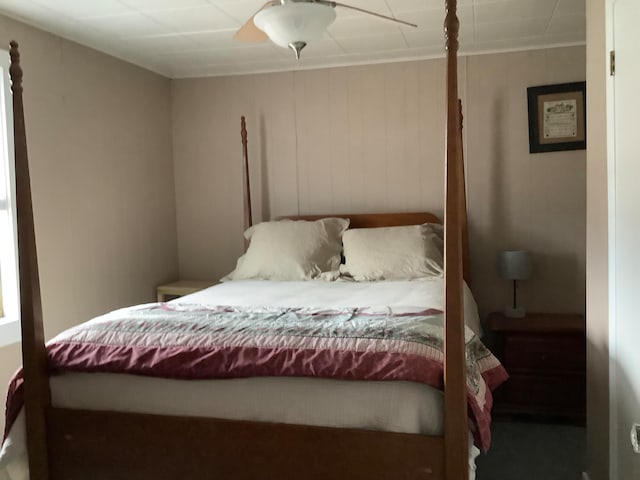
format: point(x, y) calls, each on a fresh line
point(407, 407)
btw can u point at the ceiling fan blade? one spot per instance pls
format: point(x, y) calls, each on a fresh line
point(368, 12)
point(249, 32)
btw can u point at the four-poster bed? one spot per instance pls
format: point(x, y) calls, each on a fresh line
point(71, 443)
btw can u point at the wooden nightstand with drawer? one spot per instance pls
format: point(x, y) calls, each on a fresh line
point(545, 355)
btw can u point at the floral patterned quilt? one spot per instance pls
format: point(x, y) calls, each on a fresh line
point(186, 341)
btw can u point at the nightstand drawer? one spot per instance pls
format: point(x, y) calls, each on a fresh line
point(545, 353)
point(544, 391)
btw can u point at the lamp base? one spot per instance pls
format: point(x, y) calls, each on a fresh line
point(511, 312)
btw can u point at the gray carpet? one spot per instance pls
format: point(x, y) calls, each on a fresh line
point(533, 451)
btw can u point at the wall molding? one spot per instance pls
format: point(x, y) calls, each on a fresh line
point(400, 59)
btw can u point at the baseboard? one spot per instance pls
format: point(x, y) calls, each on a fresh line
point(585, 476)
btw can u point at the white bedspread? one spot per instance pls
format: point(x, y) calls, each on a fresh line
point(399, 296)
point(391, 406)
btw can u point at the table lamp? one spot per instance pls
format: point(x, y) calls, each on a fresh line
point(515, 265)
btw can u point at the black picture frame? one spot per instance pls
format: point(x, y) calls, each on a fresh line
point(564, 129)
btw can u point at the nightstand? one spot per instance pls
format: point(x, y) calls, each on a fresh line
point(180, 288)
point(545, 356)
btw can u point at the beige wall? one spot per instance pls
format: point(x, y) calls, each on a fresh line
point(535, 202)
point(99, 137)
point(597, 247)
point(371, 138)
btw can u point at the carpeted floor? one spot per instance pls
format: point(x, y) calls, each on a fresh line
point(533, 451)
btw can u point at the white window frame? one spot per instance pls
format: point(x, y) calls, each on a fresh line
point(9, 281)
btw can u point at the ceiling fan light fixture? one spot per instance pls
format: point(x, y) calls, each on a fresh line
point(295, 24)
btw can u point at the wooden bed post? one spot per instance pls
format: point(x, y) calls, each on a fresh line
point(466, 260)
point(456, 430)
point(248, 217)
point(37, 397)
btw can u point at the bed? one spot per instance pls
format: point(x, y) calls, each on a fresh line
point(68, 439)
point(402, 407)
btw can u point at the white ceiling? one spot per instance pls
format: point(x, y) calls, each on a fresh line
point(192, 38)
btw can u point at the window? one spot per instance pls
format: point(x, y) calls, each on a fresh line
point(9, 298)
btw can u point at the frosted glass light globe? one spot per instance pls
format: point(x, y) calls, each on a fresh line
point(295, 23)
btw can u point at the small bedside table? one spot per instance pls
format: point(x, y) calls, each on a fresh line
point(180, 288)
point(545, 355)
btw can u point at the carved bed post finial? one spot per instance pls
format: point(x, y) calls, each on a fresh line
point(451, 26)
point(243, 130)
point(15, 70)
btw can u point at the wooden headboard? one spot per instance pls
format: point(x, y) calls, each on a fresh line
point(372, 220)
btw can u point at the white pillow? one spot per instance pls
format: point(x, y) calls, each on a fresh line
point(393, 253)
point(291, 250)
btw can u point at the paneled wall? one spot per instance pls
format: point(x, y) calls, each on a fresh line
point(518, 200)
point(371, 138)
point(99, 138)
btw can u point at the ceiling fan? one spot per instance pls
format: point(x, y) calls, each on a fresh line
point(294, 23)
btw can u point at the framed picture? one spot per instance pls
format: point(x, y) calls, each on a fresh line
point(557, 117)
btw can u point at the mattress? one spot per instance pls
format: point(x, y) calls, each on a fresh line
point(396, 406)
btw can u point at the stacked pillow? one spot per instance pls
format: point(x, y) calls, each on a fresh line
point(306, 250)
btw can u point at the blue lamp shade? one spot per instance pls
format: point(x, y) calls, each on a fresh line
point(515, 264)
